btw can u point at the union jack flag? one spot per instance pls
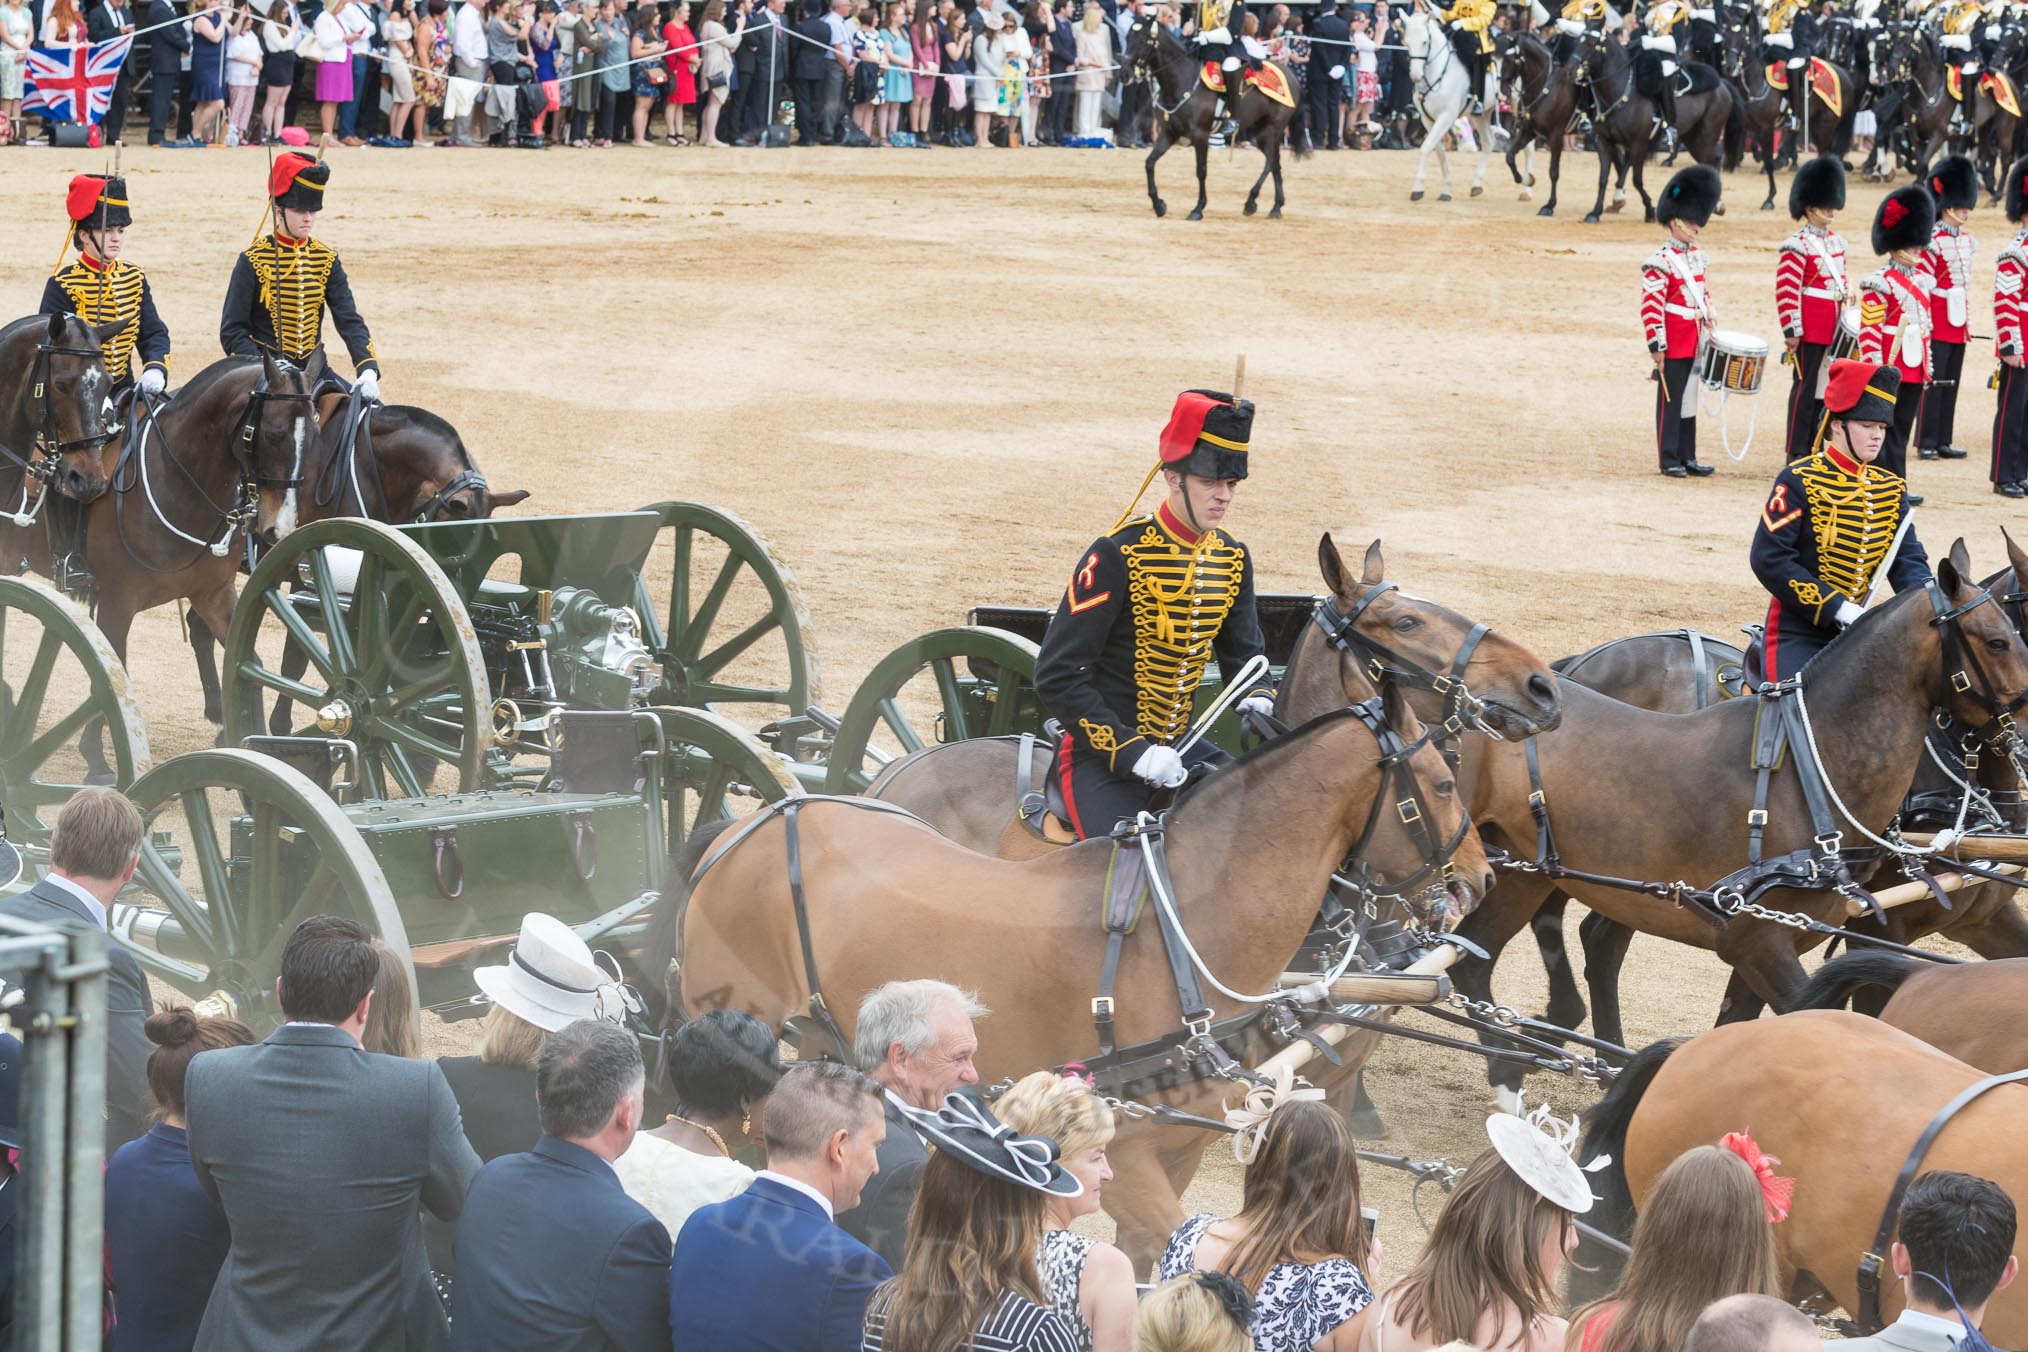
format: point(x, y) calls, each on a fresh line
point(74, 84)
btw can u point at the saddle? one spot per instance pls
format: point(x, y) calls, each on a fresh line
point(1996, 83)
point(1823, 80)
point(1042, 811)
point(1756, 655)
point(1269, 80)
point(1694, 77)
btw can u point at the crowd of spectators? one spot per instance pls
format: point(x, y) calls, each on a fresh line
point(584, 73)
point(330, 1187)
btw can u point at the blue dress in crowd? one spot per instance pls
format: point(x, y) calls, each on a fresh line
point(165, 1242)
point(207, 62)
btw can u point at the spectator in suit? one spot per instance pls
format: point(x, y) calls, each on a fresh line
point(1953, 1250)
point(769, 1271)
point(1330, 50)
point(1752, 1324)
point(553, 1256)
point(1133, 113)
point(165, 1237)
point(104, 21)
point(321, 1156)
point(93, 853)
point(549, 980)
point(837, 71)
point(763, 69)
point(809, 71)
point(166, 48)
point(916, 1039)
point(1062, 61)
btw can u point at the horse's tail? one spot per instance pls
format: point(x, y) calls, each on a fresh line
point(1838, 980)
point(658, 968)
point(1597, 1267)
point(1735, 128)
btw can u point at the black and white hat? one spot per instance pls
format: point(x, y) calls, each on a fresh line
point(965, 1129)
point(550, 978)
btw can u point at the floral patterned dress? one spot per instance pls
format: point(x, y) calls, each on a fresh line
point(1297, 1304)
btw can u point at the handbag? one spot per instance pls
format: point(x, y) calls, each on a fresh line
point(310, 49)
point(657, 76)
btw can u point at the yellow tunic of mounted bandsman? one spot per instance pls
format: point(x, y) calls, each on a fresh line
point(104, 291)
point(1471, 16)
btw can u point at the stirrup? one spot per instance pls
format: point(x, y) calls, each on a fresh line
point(74, 578)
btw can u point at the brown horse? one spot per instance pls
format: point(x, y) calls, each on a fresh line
point(1186, 109)
point(1839, 1100)
point(1660, 798)
point(1971, 1010)
point(1547, 106)
point(53, 425)
point(888, 897)
point(1623, 118)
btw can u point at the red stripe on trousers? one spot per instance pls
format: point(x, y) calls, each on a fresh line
point(1771, 640)
point(1063, 782)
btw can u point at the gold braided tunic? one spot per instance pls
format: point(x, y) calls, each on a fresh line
point(280, 290)
point(115, 293)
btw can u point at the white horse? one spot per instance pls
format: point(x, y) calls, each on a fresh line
point(1443, 91)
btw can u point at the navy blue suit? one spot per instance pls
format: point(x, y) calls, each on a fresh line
point(553, 1256)
point(166, 1239)
point(768, 1271)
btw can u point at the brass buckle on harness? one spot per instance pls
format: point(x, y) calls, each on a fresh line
point(1455, 725)
point(1757, 817)
point(1960, 682)
point(1410, 814)
point(1442, 684)
point(1537, 798)
point(1102, 1007)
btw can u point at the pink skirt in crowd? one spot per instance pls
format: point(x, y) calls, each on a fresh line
point(334, 81)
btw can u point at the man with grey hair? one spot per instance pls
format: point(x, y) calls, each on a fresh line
point(1751, 1324)
point(916, 1039)
point(781, 1276)
point(552, 1253)
point(91, 857)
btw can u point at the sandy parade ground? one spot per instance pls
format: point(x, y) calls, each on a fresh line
point(929, 380)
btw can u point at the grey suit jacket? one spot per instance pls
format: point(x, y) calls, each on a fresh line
point(321, 1155)
point(1899, 1337)
point(880, 1221)
point(127, 1008)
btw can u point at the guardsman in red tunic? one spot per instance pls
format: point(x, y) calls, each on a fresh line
point(1894, 312)
point(1676, 315)
point(2010, 343)
point(1149, 603)
point(1810, 290)
point(1954, 182)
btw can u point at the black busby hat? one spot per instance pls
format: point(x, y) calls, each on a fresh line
point(2017, 191)
point(1859, 391)
point(1954, 182)
point(97, 202)
point(1691, 195)
point(1905, 220)
point(1819, 184)
point(297, 182)
point(1207, 435)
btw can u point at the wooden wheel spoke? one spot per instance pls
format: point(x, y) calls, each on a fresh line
point(28, 697)
point(403, 769)
point(274, 680)
point(161, 882)
point(344, 658)
point(201, 834)
point(1006, 704)
point(707, 609)
point(58, 734)
point(679, 586)
point(26, 793)
point(898, 724)
point(184, 975)
point(402, 734)
point(953, 699)
point(406, 697)
point(300, 633)
point(651, 622)
point(711, 794)
point(364, 616)
point(712, 662)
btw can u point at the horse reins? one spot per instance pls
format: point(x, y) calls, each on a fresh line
point(1460, 709)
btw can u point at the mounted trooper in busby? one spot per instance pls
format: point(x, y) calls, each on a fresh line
point(112, 295)
point(1677, 314)
point(1954, 182)
point(1834, 522)
point(1148, 604)
point(284, 282)
point(1471, 30)
point(1810, 291)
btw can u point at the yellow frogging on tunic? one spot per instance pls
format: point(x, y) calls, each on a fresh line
point(292, 279)
point(1179, 596)
point(1853, 519)
point(1782, 14)
point(107, 297)
point(1212, 14)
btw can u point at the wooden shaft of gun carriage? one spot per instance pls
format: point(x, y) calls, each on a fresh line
point(1394, 989)
point(2012, 848)
point(1903, 893)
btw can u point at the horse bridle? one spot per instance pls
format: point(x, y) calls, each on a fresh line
point(468, 481)
point(1401, 789)
point(48, 444)
point(1382, 664)
point(249, 428)
point(1966, 674)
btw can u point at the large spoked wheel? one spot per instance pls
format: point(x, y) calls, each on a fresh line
point(950, 685)
point(61, 688)
point(713, 770)
point(725, 618)
point(373, 646)
point(240, 849)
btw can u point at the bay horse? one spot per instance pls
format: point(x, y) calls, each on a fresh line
point(1932, 112)
point(1623, 118)
point(1545, 110)
point(1970, 1010)
point(1443, 91)
point(53, 412)
point(1872, 691)
point(887, 897)
point(221, 458)
point(1186, 109)
point(1839, 1100)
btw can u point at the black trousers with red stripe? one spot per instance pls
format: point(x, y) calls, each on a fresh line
point(1939, 420)
point(1791, 641)
point(1097, 799)
point(2010, 427)
point(1806, 410)
point(1675, 435)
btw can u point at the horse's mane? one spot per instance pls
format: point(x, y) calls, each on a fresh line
point(408, 417)
point(1219, 781)
point(1846, 641)
point(196, 387)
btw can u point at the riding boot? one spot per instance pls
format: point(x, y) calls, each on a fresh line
point(66, 518)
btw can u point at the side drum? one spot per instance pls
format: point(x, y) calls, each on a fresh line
point(1733, 362)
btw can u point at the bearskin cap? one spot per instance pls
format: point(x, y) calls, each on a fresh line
point(1820, 183)
point(2017, 191)
point(1906, 219)
point(1691, 195)
point(1954, 182)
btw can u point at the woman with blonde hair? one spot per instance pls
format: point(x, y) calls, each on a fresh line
point(968, 1280)
point(1297, 1246)
point(1089, 1282)
point(390, 1020)
point(1704, 1233)
point(1487, 1277)
point(1094, 68)
point(1197, 1312)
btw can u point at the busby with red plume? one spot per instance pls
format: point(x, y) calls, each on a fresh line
point(1954, 182)
point(1207, 435)
point(1905, 220)
point(1692, 195)
point(97, 202)
point(2017, 191)
point(296, 182)
point(1819, 184)
point(1859, 391)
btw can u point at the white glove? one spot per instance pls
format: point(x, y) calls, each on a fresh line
point(1848, 612)
point(368, 384)
point(1160, 766)
point(152, 380)
point(1258, 704)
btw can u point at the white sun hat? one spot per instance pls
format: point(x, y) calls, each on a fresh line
point(1538, 1147)
point(550, 977)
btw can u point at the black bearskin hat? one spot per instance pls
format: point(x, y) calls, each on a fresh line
point(1906, 219)
point(1820, 183)
point(1954, 182)
point(1692, 195)
point(2017, 191)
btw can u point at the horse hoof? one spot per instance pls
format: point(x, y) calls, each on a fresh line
point(1251, 208)
point(1591, 219)
point(1368, 1125)
point(1161, 210)
point(1274, 213)
point(1195, 216)
point(1443, 197)
point(1614, 208)
point(1524, 196)
point(1719, 210)
point(1768, 205)
point(1415, 196)
point(1549, 209)
point(102, 779)
point(1478, 191)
